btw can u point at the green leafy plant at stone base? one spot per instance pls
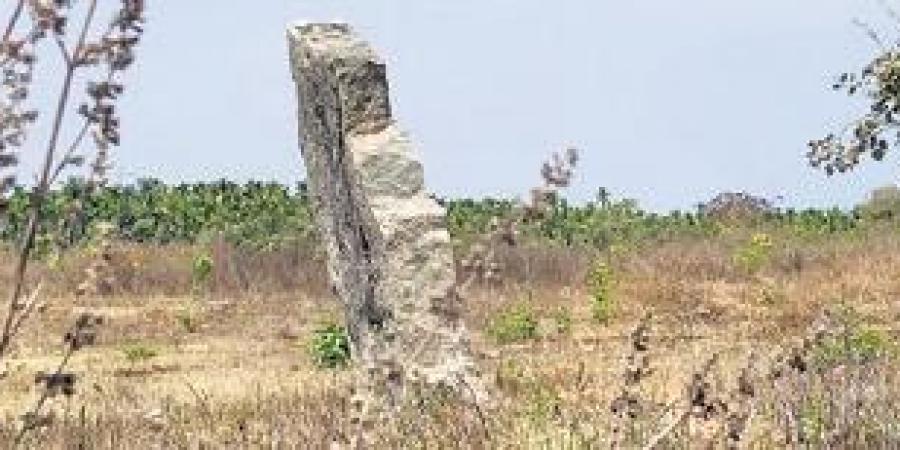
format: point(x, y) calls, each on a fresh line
point(514, 324)
point(600, 283)
point(330, 346)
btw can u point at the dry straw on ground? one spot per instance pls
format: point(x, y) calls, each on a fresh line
point(243, 375)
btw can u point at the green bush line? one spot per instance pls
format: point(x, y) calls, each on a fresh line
point(268, 214)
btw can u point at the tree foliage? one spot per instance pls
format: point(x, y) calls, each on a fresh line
point(269, 215)
point(878, 128)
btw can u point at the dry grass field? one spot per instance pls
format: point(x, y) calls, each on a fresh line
point(229, 365)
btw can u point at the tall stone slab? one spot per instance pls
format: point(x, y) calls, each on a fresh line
point(389, 252)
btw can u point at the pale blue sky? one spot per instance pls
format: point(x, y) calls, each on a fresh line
point(671, 101)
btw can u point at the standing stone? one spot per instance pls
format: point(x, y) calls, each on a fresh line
point(389, 253)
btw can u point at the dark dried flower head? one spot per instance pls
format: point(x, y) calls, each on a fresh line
point(8, 160)
point(49, 16)
point(704, 402)
point(84, 332)
point(557, 173)
point(746, 382)
point(57, 383)
point(640, 336)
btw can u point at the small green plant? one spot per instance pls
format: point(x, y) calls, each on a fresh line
point(858, 345)
point(509, 376)
point(330, 346)
point(600, 283)
point(853, 342)
point(770, 293)
point(562, 321)
point(201, 271)
point(543, 402)
point(537, 399)
point(812, 422)
point(755, 254)
point(514, 324)
point(189, 319)
point(137, 353)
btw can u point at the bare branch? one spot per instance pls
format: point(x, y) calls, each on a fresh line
point(870, 32)
point(67, 58)
point(11, 26)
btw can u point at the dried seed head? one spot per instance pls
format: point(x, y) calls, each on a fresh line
point(628, 405)
point(84, 332)
point(31, 420)
point(557, 173)
point(57, 383)
point(704, 401)
point(746, 382)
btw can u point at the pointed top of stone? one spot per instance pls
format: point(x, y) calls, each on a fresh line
point(329, 42)
point(333, 56)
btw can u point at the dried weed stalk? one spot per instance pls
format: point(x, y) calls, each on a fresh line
point(743, 406)
point(481, 264)
point(60, 382)
point(717, 419)
point(702, 407)
point(96, 63)
point(109, 54)
point(627, 407)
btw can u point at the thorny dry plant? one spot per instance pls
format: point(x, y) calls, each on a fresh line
point(628, 405)
point(102, 59)
point(707, 415)
point(701, 402)
point(481, 263)
point(702, 407)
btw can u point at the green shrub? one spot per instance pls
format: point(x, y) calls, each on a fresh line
point(515, 324)
point(201, 271)
point(188, 318)
point(770, 293)
point(543, 402)
point(600, 282)
point(536, 399)
point(137, 353)
point(562, 321)
point(812, 423)
point(857, 345)
point(271, 216)
point(330, 346)
point(755, 254)
point(852, 341)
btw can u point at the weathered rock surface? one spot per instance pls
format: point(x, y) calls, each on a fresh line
point(389, 252)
